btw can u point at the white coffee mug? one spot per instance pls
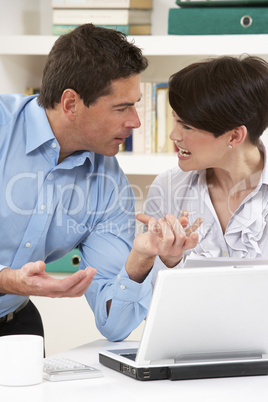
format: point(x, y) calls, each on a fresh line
point(21, 360)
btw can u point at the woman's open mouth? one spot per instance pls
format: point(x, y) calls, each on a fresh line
point(183, 152)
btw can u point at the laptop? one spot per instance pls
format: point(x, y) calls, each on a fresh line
point(202, 323)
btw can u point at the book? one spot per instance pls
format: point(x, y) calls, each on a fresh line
point(149, 141)
point(157, 113)
point(164, 122)
point(101, 16)
point(138, 139)
point(135, 29)
point(102, 4)
point(153, 127)
point(218, 20)
point(170, 146)
point(32, 91)
point(129, 143)
point(122, 147)
point(161, 119)
point(62, 29)
point(68, 263)
point(58, 29)
point(220, 3)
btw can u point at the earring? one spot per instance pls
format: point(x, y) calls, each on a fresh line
point(230, 146)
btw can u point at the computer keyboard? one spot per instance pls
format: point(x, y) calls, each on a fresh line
point(61, 369)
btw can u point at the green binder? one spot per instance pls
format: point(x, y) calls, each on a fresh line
point(69, 263)
point(218, 20)
point(220, 3)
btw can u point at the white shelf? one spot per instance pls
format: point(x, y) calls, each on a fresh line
point(165, 45)
point(176, 45)
point(146, 164)
point(39, 45)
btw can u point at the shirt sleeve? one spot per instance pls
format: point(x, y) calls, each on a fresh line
point(107, 249)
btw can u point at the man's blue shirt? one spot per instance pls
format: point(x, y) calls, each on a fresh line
point(47, 209)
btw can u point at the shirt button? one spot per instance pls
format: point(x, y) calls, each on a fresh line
point(54, 145)
point(43, 207)
point(28, 244)
point(225, 254)
point(118, 276)
point(123, 287)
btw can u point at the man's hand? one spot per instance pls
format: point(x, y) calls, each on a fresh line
point(32, 280)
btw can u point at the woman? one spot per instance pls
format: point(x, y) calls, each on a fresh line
point(220, 109)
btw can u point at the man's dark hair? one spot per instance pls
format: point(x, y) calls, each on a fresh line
point(87, 60)
point(219, 94)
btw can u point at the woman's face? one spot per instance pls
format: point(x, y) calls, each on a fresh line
point(199, 149)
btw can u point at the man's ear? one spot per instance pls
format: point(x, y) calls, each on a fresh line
point(238, 135)
point(69, 101)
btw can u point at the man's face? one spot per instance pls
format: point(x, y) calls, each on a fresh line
point(105, 125)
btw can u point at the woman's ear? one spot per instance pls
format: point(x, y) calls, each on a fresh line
point(237, 136)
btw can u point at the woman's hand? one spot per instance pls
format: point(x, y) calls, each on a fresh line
point(169, 237)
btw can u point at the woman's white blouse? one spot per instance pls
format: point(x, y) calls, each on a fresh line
point(246, 235)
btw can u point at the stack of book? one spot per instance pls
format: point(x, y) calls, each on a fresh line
point(132, 17)
point(218, 17)
point(156, 118)
point(31, 91)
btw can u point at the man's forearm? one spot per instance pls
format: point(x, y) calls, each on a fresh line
point(138, 266)
point(8, 282)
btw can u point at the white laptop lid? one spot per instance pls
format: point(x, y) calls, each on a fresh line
point(197, 261)
point(202, 310)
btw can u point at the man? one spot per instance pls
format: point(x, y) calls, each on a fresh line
point(62, 187)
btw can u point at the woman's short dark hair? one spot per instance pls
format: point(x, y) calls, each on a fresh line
point(87, 60)
point(219, 94)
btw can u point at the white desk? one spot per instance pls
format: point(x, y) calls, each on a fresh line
point(115, 387)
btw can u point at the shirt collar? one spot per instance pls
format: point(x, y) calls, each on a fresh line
point(77, 159)
point(38, 132)
point(195, 175)
point(264, 176)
